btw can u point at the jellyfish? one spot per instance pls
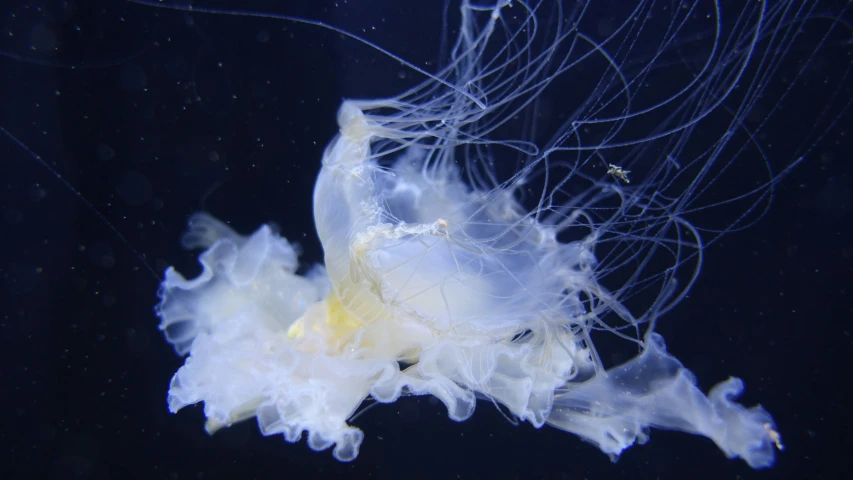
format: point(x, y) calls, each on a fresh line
point(471, 257)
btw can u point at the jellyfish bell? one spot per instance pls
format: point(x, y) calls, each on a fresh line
point(445, 276)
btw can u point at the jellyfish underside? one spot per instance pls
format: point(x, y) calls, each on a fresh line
point(431, 285)
point(425, 291)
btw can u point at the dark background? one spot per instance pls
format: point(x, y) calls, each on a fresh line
point(144, 116)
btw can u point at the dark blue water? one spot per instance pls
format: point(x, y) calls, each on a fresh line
point(152, 115)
